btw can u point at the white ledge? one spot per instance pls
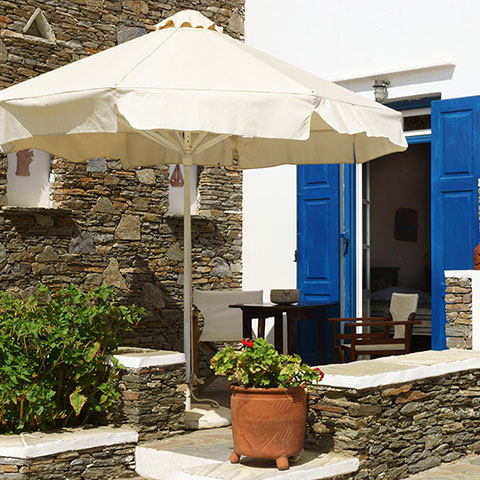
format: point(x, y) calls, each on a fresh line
point(144, 357)
point(39, 444)
point(399, 369)
point(461, 273)
point(436, 71)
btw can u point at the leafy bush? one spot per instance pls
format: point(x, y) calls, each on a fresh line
point(259, 365)
point(53, 348)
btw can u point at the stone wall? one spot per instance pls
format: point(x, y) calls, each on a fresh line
point(113, 224)
point(397, 430)
point(153, 401)
point(93, 464)
point(458, 307)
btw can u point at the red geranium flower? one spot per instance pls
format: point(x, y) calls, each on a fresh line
point(320, 373)
point(247, 342)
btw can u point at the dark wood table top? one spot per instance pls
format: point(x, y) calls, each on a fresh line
point(281, 307)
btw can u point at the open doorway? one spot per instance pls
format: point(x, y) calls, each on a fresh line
point(397, 217)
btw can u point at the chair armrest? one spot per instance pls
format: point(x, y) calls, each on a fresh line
point(382, 324)
point(372, 319)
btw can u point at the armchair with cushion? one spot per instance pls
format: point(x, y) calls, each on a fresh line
point(371, 335)
point(221, 323)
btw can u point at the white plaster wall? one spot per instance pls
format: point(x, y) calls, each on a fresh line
point(33, 190)
point(347, 38)
point(269, 232)
point(175, 194)
point(341, 39)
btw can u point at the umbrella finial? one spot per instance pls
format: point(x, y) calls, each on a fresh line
point(188, 19)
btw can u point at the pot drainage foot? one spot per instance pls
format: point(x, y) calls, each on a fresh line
point(282, 463)
point(234, 458)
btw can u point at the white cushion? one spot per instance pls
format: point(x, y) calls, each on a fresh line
point(223, 324)
point(401, 306)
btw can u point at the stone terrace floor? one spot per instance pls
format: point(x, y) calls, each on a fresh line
point(467, 468)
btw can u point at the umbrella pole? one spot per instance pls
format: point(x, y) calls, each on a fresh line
point(187, 274)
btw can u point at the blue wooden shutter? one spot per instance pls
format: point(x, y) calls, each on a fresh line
point(318, 233)
point(318, 244)
point(455, 173)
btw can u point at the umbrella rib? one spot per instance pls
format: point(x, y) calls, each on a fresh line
point(180, 141)
point(210, 143)
point(199, 140)
point(168, 135)
point(156, 137)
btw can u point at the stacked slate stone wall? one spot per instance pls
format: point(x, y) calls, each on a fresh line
point(109, 462)
point(401, 429)
point(153, 401)
point(458, 306)
point(115, 226)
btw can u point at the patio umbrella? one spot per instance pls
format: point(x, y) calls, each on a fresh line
point(187, 93)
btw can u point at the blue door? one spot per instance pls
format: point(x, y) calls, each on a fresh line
point(318, 233)
point(323, 245)
point(455, 173)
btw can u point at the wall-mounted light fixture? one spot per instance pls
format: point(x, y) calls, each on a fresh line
point(380, 88)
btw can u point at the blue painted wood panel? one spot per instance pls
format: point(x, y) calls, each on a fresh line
point(455, 173)
point(318, 245)
point(348, 243)
point(318, 233)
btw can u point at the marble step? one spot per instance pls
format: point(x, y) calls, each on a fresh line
point(203, 455)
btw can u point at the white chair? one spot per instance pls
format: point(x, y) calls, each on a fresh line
point(363, 341)
point(221, 323)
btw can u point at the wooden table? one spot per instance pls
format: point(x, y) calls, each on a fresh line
point(295, 312)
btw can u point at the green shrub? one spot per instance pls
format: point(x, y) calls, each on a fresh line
point(53, 348)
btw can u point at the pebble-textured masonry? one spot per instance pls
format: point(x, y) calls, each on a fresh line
point(114, 225)
point(401, 429)
point(92, 464)
point(458, 307)
point(153, 400)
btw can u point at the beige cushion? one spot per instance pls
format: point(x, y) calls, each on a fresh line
point(223, 324)
point(401, 306)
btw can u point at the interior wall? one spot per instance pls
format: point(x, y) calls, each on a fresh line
point(401, 180)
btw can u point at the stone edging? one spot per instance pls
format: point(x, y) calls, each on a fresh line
point(399, 369)
point(474, 307)
point(34, 445)
point(142, 358)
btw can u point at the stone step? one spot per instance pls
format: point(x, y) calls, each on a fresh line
point(204, 455)
point(467, 468)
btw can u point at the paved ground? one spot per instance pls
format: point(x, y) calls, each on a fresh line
point(467, 468)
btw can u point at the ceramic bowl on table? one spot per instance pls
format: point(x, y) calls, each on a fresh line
point(284, 296)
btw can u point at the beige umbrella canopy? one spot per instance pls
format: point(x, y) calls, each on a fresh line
point(187, 93)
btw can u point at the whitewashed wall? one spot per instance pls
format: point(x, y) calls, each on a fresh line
point(422, 47)
point(32, 190)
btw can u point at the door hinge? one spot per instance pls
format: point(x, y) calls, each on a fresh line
point(295, 256)
point(346, 242)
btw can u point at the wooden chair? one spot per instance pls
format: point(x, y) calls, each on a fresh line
point(221, 323)
point(371, 335)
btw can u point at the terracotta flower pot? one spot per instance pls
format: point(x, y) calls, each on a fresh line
point(268, 423)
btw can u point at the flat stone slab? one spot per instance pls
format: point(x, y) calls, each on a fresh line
point(399, 368)
point(204, 455)
point(310, 466)
point(39, 444)
point(466, 469)
point(132, 357)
